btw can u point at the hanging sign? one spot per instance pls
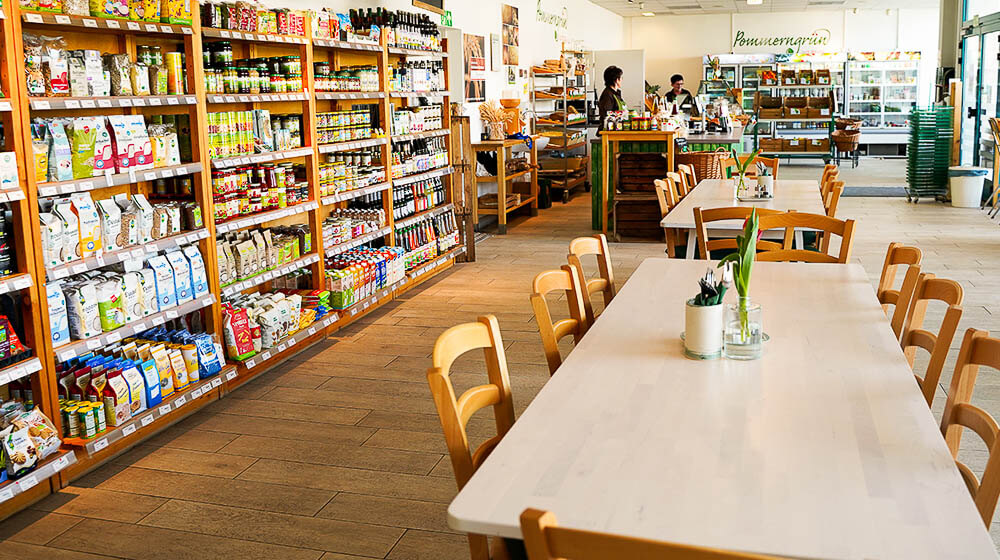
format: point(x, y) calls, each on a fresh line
point(818, 39)
point(559, 19)
point(786, 33)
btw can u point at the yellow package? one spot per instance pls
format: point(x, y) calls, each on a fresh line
point(151, 10)
point(179, 368)
point(109, 8)
point(176, 11)
point(162, 361)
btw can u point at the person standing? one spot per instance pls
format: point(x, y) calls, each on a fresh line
point(677, 92)
point(611, 98)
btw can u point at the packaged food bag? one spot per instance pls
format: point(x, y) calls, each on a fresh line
point(83, 140)
point(58, 318)
point(60, 152)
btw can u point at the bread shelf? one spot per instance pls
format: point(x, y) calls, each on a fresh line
point(350, 195)
point(132, 253)
point(103, 24)
point(114, 179)
point(73, 103)
point(269, 275)
point(50, 467)
point(338, 248)
point(268, 216)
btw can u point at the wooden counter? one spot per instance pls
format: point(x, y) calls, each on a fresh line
point(610, 140)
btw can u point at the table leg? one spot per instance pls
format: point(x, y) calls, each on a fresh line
point(606, 172)
point(668, 235)
point(502, 191)
point(534, 177)
point(800, 240)
point(691, 241)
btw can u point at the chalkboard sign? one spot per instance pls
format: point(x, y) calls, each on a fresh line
point(436, 6)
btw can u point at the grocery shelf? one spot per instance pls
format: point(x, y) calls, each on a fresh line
point(144, 419)
point(820, 119)
point(15, 282)
point(5, 103)
point(113, 179)
point(80, 347)
point(337, 248)
point(269, 275)
point(510, 177)
point(252, 36)
point(131, 253)
point(350, 195)
point(423, 214)
point(56, 103)
point(117, 25)
point(221, 163)
point(422, 134)
point(418, 94)
point(352, 145)
point(328, 95)
point(406, 180)
point(256, 97)
point(420, 272)
point(346, 45)
point(20, 369)
point(417, 52)
point(289, 341)
point(12, 195)
point(268, 216)
point(48, 468)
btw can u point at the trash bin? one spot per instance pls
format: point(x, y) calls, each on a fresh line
point(966, 184)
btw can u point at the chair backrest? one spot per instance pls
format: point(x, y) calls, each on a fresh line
point(832, 199)
point(978, 349)
point(897, 254)
point(729, 164)
point(827, 183)
point(827, 170)
point(596, 245)
point(688, 171)
point(680, 183)
point(567, 279)
point(902, 302)
point(703, 217)
point(455, 412)
point(664, 196)
point(915, 336)
point(544, 539)
point(825, 225)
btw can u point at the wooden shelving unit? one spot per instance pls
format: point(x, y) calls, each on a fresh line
point(120, 36)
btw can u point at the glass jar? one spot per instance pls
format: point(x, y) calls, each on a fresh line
point(230, 79)
point(743, 337)
point(254, 80)
point(243, 80)
point(222, 53)
point(321, 68)
point(295, 82)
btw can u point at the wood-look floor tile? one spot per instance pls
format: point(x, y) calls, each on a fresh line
point(443, 468)
point(99, 504)
point(416, 390)
point(318, 452)
point(290, 429)
point(353, 400)
point(337, 556)
point(395, 512)
point(428, 423)
point(241, 492)
point(291, 411)
point(33, 526)
point(11, 550)
point(428, 545)
point(137, 542)
point(369, 344)
point(298, 531)
point(185, 461)
point(408, 440)
point(184, 437)
point(359, 481)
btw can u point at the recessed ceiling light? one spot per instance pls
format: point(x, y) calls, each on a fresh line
point(648, 14)
point(754, 2)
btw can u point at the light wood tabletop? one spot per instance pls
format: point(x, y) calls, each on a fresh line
point(798, 195)
point(824, 448)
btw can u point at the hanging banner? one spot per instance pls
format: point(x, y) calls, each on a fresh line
point(475, 68)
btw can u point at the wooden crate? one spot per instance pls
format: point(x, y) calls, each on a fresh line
point(793, 144)
point(818, 145)
point(636, 171)
point(637, 215)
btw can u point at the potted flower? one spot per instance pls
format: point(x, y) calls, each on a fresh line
point(743, 335)
point(703, 319)
point(741, 169)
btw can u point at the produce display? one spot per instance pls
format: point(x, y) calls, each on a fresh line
point(248, 253)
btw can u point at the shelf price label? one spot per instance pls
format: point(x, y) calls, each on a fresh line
point(6, 494)
point(132, 25)
point(146, 420)
point(100, 444)
point(33, 18)
point(28, 483)
point(128, 430)
point(231, 375)
point(165, 409)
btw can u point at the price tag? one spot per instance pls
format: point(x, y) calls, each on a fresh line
point(139, 102)
point(207, 300)
point(265, 356)
point(146, 420)
point(67, 355)
point(128, 430)
point(171, 101)
point(5, 378)
point(113, 24)
point(282, 347)
point(180, 401)
point(166, 29)
point(245, 161)
point(186, 30)
point(255, 98)
point(85, 186)
point(33, 18)
point(158, 320)
point(230, 99)
point(60, 463)
point(167, 173)
point(224, 34)
point(237, 35)
point(196, 393)
point(217, 382)
point(171, 315)
point(230, 376)
point(282, 97)
point(90, 23)
point(312, 331)
point(72, 104)
point(94, 344)
point(181, 170)
point(40, 105)
point(191, 100)
point(149, 176)
point(63, 20)
point(28, 483)
point(5, 106)
point(139, 327)
point(100, 444)
point(132, 25)
point(138, 253)
point(6, 494)
point(126, 102)
point(100, 260)
point(104, 103)
point(131, 176)
point(114, 337)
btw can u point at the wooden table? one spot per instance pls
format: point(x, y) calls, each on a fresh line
point(501, 147)
point(799, 195)
point(609, 141)
point(824, 448)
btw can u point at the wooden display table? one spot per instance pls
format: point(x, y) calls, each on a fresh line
point(502, 147)
point(610, 140)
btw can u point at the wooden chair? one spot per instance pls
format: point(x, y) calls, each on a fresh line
point(680, 184)
point(456, 412)
point(544, 539)
point(595, 245)
point(702, 217)
point(771, 163)
point(902, 302)
point(978, 349)
point(825, 225)
point(567, 279)
point(897, 254)
point(667, 199)
point(915, 336)
point(832, 199)
point(827, 183)
point(828, 169)
point(688, 172)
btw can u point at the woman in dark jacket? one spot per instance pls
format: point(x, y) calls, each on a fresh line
point(611, 98)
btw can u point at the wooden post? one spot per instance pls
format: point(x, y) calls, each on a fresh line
point(955, 93)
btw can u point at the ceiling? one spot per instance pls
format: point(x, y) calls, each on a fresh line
point(677, 7)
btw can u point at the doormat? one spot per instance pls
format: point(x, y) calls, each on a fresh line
point(874, 191)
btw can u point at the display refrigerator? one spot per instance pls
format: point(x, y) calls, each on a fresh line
point(882, 89)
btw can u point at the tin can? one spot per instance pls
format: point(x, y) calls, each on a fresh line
point(88, 422)
point(100, 416)
point(175, 72)
point(71, 422)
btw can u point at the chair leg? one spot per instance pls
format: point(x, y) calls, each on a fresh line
point(668, 233)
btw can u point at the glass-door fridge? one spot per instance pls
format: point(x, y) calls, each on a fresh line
point(882, 88)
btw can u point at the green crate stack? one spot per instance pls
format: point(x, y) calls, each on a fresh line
point(929, 151)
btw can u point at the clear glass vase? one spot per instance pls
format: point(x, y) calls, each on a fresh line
point(743, 337)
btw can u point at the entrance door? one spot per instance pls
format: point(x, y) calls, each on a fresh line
point(988, 99)
point(971, 66)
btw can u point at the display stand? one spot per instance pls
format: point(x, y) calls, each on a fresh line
point(826, 154)
point(507, 183)
point(566, 179)
point(120, 36)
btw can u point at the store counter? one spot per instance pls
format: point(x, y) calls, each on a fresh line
point(611, 143)
point(714, 140)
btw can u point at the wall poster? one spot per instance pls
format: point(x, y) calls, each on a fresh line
point(495, 52)
point(511, 38)
point(475, 68)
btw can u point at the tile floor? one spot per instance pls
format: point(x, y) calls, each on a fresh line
point(338, 454)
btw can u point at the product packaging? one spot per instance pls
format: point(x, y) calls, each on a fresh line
point(58, 318)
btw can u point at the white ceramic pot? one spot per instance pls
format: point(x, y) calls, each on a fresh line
point(703, 326)
point(766, 184)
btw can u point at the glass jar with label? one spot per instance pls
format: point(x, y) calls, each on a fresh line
point(222, 53)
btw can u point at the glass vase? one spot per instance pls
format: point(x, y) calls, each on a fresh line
point(743, 335)
point(742, 188)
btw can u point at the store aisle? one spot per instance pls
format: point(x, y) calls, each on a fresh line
point(338, 454)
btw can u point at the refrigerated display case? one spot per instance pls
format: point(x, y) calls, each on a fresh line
point(882, 89)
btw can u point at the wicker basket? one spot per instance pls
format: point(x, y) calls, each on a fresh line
point(707, 165)
point(846, 140)
point(848, 124)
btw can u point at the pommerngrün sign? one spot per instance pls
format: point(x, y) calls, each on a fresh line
point(793, 43)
